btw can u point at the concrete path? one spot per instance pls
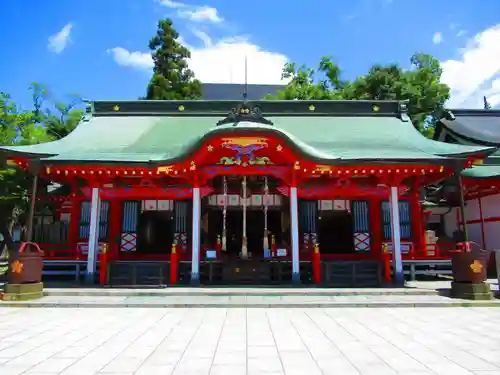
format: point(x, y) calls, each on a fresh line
point(250, 341)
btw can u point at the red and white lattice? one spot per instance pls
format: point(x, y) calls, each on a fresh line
point(128, 242)
point(361, 241)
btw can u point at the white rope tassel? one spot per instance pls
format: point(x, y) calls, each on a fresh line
point(224, 217)
point(244, 249)
point(266, 195)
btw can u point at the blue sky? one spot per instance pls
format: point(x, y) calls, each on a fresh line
point(98, 48)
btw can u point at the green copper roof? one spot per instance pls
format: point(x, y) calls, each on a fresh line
point(327, 131)
point(482, 171)
point(473, 127)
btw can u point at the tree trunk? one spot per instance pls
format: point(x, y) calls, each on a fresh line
point(6, 224)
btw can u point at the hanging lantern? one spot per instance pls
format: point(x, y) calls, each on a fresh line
point(266, 233)
point(244, 249)
point(245, 191)
point(224, 216)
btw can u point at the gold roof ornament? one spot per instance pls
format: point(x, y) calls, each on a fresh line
point(376, 108)
point(312, 108)
point(181, 108)
point(116, 108)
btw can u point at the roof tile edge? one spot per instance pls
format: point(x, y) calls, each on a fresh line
point(267, 107)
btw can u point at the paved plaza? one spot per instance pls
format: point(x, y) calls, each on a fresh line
point(250, 341)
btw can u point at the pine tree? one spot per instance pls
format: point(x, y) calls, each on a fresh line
point(172, 79)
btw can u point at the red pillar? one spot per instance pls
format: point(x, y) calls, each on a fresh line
point(115, 227)
point(173, 265)
point(74, 221)
point(376, 227)
point(316, 263)
point(417, 225)
point(103, 271)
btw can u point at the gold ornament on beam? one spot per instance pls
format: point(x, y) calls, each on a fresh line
point(116, 108)
point(165, 169)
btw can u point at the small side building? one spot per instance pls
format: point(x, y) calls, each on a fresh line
point(481, 181)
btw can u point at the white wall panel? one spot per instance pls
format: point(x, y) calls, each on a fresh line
point(472, 209)
point(491, 206)
point(492, 234)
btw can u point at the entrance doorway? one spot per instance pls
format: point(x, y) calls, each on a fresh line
point(254, 229)
point(155, 232)
point(335, 232)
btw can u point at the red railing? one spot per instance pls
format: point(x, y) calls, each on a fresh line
point(409, 252)
point(67, 251)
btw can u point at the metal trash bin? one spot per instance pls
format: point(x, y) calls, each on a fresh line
point(25, 264)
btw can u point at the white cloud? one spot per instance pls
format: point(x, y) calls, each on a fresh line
point(172, 4)
point(219, 62)
point(437, 38)
point(137, 60)
point(59, 41)
point(201, 14)
point(476, 73)
point(493, 94)
point(194, 13)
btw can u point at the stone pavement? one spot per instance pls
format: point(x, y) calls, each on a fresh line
point(250, 341)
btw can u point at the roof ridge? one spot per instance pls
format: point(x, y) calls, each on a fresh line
point(266, 107)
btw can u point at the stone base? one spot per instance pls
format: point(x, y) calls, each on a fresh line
point(480, 291)
point(23, 292)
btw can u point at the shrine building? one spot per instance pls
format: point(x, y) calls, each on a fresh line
point(481, 182)
point(240, 192)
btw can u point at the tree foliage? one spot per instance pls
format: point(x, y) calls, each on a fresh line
point(47, 120)
point(59, 118)
point(420, 85)
point(172, 79)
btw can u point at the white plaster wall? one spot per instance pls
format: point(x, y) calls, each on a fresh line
point(491, 209)
point(475, 233)
point(491, 206)
point(492, 235)
point(472, 210)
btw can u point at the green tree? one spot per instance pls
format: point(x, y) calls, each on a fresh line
point(303, 84)
point(58, 117)
point(16, 128)
point(420, 85)
point(47, 120)
point(172, 79)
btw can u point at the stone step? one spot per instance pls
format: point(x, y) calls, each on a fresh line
point(224, 301)
point(235, 291)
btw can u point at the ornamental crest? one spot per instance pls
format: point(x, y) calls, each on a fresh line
point(244, 148)
point(247, 113)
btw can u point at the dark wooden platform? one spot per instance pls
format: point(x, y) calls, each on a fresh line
point(249, 271)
